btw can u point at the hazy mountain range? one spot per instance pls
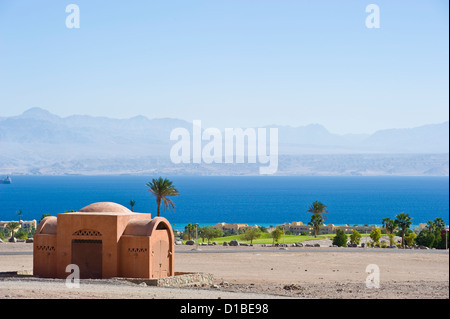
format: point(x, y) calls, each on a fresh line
point(39, 142)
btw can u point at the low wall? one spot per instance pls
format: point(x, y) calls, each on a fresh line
point(181, 279)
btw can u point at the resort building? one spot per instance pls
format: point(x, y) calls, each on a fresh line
point(31, 224)
point(298, 228)
point(104, 240)
point(233, 228)
point(419, 228)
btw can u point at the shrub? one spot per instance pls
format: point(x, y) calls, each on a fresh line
point(410, 239)
point(425, 238)
point(21, 234)
point(355, 237)
point(391, 239)
point(375, 235)
point(439, 242)
point(340, 239)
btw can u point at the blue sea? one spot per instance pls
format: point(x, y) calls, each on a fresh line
point(261, 200)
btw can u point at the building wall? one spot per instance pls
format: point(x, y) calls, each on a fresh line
point(131, 245)
point(107, 227)
point(23, 223)
point(134, 256)
point(231, 227)
point(44, 255)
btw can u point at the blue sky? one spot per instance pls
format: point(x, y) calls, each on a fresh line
point(233, 63)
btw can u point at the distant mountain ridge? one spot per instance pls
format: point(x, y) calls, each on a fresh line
point(38, 139)
point(39, 125)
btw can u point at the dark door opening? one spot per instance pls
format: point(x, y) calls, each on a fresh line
point(87, 255)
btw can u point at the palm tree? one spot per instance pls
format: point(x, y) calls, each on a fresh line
point(317, 208)
point(404, 222)
point(431, 226)
point(188, 228)
point(316, 222)
point(19, 212)
point(390, 225)
point(439, 224)
point(161, 189)
point(12, 226)
point(132, 203)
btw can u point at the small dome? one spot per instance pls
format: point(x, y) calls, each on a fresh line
point(105, 207)
point(48, 225)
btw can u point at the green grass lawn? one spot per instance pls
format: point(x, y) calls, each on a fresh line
point(266, 238)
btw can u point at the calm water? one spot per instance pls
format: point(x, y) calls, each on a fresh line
point(263, 200)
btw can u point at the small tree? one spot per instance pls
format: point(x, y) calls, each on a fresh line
point(21, 234)
point(340, 239)
point(276, 234)
point(251, 233)
point(132, 203)
point(391, 239)
point(410, 239)
point(375, 235)
point(12, 227)
point(425, 238)
point(355, 237)
point(209, 232)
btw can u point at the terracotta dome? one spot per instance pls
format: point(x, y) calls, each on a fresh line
point(48, 225)
point(105, 207)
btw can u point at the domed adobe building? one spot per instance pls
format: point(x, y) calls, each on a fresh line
point(104, 240)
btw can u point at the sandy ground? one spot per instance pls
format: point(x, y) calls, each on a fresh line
point(258, 272)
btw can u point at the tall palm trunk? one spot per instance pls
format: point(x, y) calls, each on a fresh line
point(158, 203)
